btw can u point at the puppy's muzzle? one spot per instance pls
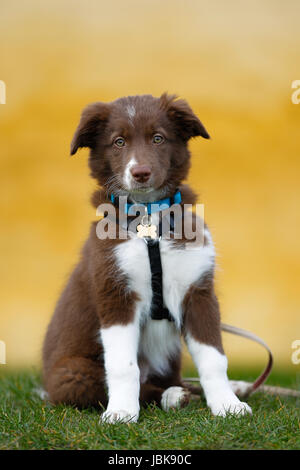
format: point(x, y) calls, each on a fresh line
point(141, 173)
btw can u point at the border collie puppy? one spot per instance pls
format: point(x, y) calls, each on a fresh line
point(103, 346)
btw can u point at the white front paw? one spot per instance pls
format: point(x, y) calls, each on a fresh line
point(227, 407)
point(120, 416)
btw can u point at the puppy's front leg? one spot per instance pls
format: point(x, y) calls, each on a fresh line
point(120, 345)
point(203, 337)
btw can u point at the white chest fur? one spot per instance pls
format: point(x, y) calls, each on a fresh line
point(160, 339)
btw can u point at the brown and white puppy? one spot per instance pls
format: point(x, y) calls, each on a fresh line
point(102, 346)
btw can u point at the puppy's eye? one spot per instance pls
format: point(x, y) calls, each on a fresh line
point(119, 142)
point(157, 139)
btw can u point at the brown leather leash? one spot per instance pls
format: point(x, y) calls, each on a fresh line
point(247, 388)
point(247, 334)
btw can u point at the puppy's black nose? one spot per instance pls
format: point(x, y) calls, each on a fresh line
point(141, 173)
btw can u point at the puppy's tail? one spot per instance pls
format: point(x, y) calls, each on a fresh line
point(241, 388)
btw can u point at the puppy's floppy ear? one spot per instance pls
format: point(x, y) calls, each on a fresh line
point(186, 123)
point(92, 122)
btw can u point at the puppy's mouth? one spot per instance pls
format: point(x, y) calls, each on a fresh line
point(143, 194)
point(135, 187)
point(141, 190)
point(137, 192)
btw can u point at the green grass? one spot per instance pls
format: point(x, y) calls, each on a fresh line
point(28, 423)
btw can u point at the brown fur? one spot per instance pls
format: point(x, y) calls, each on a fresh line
point(206, 328)
point(96, 295)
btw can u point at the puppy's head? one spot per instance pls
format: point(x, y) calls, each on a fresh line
point(139, 144)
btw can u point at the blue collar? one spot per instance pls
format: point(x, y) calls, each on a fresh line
point(152, 207)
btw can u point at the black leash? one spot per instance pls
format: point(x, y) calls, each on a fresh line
point(158, 310)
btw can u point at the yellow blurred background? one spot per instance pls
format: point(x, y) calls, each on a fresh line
point(234, 62)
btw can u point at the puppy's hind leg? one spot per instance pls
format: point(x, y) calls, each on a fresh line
point(175, 397)
point(76, 381)
point(169, 398)
point(166, 391)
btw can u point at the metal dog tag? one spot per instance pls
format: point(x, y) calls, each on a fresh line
point(145, 229)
